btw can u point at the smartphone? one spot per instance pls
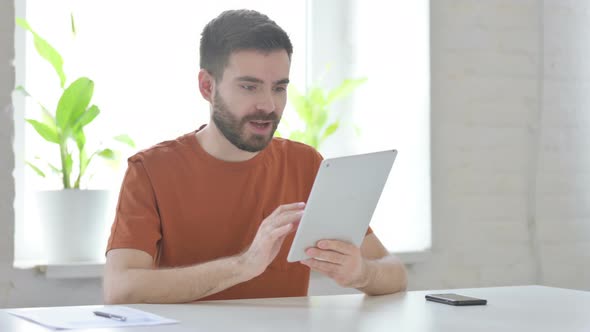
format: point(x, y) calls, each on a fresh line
point(455, 299)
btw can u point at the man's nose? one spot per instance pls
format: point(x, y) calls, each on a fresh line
point(266, 102)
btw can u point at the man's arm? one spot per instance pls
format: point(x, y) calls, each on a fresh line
point(386, 273)
point(131, 278)
point(369, 268)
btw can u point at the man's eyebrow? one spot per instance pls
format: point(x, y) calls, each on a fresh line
point(249, 79)
point(283, 81)
point(259, 81)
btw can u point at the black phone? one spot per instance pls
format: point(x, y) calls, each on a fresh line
point(455, 299)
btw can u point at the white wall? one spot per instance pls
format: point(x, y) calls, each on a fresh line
point(510, 153)
point(510, 144)
point(563, 190)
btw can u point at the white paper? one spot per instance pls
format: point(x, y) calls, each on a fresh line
point(84, 317)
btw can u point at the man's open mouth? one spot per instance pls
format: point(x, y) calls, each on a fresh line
point(261, 124)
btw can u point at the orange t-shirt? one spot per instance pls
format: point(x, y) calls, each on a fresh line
point(183, 207)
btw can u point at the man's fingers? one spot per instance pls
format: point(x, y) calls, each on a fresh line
point(338, 246)
point(282, 231)
point(326, 255)
point(287, 217)
point(287, 207)
point(324, 267)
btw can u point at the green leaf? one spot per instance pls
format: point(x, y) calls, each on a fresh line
point(46, 116)
point(312, 140)
point(300, 103)
point(304, 110)
point(330, 130)
point(50, 165)
point(125, 139)
point(345, 88)
point(278, 134)
point(319, 110)
point(87, 162)
point(313, 109)
point(22, 90)
point(316, 97)
point(72, 104)
point(54, 169)
point(45, 50)
point(36, 169)
point(297, 136)
point(72, 24)
point(88, 116)
point(48, 133)
point(320, 118)
point(84, 161)
point(108, 154)
point(80, 139)
point(48, 119)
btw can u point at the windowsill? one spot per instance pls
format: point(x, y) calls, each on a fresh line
point(73, 270)
point(413, 257)
point(87, 270)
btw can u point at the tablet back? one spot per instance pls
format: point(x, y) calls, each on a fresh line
point(342, 200)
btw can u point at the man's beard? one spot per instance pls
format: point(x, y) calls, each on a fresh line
point(234, 129)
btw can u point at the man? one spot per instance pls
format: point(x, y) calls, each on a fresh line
point(211, 215)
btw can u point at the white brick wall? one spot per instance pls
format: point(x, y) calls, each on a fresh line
point(511, 145)
point(485, 96)
point(511, 152)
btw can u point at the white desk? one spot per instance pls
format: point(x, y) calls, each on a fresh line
point(522, 308)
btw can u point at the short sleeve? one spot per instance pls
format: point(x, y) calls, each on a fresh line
point(137, 221)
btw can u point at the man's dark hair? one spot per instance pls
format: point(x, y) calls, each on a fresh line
point(235, 30)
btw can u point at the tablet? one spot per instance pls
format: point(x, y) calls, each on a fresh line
point(342, 200)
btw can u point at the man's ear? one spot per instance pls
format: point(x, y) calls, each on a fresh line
point(206, 85)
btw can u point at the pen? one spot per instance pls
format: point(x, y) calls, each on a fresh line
point(110, 316)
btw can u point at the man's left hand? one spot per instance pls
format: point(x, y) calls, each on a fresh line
point(340, 261)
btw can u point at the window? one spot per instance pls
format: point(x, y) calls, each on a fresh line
point(394, 111)
point(388, 43)
point(143, 57)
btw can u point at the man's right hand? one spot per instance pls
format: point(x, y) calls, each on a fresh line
point(270, 236)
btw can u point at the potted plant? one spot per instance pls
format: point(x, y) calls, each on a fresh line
point(313, 109)
point(75, 221)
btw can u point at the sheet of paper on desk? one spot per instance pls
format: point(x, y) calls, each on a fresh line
point(84, 317)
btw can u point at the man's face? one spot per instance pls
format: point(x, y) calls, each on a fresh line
point(249, 99)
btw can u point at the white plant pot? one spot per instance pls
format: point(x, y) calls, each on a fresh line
point(76, 224)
